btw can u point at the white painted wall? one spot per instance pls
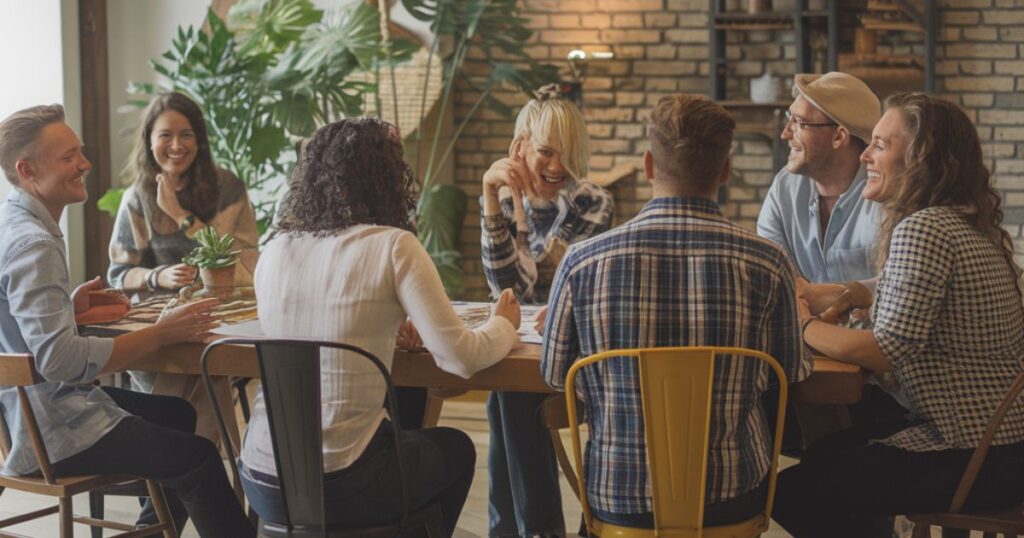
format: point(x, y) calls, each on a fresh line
point(39, 56)
point(30, 57)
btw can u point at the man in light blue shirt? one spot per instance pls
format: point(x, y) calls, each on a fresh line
point(814, 208)
point(86, 429)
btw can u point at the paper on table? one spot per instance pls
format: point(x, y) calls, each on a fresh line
point(472, 314)
point(245, 329)
point(476, 314)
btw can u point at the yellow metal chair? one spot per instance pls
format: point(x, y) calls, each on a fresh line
point(675, 387)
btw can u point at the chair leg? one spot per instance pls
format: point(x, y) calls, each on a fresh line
point(96, 512)
point(65, 513)
point(243, 395)
point(163, 514)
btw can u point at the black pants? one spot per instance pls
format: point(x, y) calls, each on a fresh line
point(847, 487)
point(438, 464)
point(152, 444)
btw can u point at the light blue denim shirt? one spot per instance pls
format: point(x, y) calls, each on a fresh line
point(37, 317)
point(789, 217)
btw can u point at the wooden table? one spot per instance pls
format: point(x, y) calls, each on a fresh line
point(832, 382)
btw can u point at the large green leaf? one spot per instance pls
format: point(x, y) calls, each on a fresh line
point(111, 201)
point(441, 212)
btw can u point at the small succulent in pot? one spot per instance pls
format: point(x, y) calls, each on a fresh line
point(214, 259)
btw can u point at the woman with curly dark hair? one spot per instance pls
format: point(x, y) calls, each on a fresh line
point(948, 323)
point(177, 190)
point(344, 266)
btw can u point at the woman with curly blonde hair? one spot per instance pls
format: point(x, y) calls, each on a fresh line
point(948, 323)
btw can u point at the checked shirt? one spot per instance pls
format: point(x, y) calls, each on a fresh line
point(678, 274)
point(948, 316)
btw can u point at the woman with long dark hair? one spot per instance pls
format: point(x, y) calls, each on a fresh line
point(948, 323)
point(176, 191)
point(345, 266)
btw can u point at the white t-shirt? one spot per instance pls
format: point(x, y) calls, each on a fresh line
point(357, 287)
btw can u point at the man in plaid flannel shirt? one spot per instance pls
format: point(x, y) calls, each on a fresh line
point(678, 274)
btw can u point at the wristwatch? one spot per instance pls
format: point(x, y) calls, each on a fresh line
point(187, 222)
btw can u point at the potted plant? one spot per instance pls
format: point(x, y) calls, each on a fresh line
point(215, 261)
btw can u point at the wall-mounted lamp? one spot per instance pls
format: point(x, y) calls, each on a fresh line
point(578, 59)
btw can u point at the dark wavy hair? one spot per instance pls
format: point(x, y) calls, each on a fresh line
point(944, 167)
point(351, 172)
point(201, 192)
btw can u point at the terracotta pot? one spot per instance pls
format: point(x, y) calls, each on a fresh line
point(218, 282)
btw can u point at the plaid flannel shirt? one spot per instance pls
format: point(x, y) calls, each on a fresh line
point(678, 274)
point(511, 257)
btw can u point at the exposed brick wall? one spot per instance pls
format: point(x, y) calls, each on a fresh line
point(661, 47)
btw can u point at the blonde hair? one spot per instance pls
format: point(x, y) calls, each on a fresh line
point(558, 124)
point(690, 138)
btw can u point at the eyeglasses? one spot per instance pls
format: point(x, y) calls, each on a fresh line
point(790, 120)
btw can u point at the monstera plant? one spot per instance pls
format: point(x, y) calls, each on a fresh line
point(267, 77)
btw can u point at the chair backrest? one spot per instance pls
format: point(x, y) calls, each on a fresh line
point(290, 377)
point(676, 387)
point(19, 370)
point(978, 456)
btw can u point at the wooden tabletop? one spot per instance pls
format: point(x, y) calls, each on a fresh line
point(832, 382)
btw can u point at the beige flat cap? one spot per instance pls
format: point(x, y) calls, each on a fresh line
point(845, 99)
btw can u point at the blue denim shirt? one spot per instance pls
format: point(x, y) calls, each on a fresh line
point(789, 217)
point(37, 317)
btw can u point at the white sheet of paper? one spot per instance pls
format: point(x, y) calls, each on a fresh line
point(245, 329)
point(476, 314)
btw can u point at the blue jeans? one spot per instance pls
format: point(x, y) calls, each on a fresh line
point(524, 495)
point(438, 466)
point(735, 510)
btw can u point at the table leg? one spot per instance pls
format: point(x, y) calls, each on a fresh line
point(819, 420)
point(222, 391)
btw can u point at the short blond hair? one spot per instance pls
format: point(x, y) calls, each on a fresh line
point(559, 124)
point(19, 133)
point(691, 138)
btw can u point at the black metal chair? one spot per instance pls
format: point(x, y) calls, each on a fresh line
point(290, 375)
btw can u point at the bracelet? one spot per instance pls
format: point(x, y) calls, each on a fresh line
point(806, 322)
point(152, 283)
point(151, 280)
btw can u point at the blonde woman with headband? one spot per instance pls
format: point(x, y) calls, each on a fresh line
point(535, 203)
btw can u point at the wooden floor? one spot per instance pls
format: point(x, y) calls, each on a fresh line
point(467, 416)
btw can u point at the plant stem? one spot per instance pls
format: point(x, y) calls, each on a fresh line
point(460, 52)
point(423, 102)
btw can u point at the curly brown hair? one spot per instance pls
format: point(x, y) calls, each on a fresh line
point(201, 192)
point(944, 167)
point(351, 172)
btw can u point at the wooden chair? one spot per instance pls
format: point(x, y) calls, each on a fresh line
point(19, 370)
point(290, 375)
point(1007, 522)
point(675, 388)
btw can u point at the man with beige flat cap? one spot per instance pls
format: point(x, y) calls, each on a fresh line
point(814, 208)
point(815, 211)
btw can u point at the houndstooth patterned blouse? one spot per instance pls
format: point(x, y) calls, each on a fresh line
point(948, 316)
